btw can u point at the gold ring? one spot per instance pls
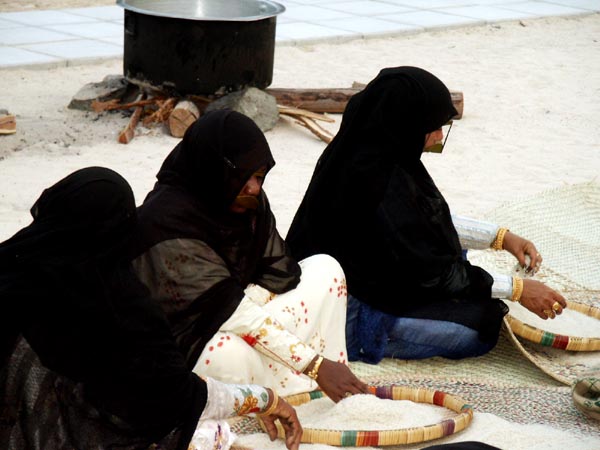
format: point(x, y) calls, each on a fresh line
point(348, 394)
point(549, 313)
point(556, 306)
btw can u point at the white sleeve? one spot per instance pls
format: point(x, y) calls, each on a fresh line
point(228, 400)
point(475, 234)
point(224, 401)
point(502, 287)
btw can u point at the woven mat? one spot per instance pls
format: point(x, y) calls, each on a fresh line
point(501, 382)
point(564, 224)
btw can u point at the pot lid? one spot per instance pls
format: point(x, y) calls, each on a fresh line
point(230, 10)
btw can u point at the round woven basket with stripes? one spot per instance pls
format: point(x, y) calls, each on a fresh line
point(573, 343)
point(363, 438)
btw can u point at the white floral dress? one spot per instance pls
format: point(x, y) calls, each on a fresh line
point(271, 339)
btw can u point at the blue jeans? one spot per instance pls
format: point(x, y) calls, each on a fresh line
point(417, 338)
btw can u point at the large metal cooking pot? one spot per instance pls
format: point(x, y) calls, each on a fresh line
point(199, 46)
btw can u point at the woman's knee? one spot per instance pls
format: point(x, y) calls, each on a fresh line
point(322, 266)
point(220, 351)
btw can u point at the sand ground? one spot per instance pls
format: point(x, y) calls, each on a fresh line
point(530, 119)
point(530, 122)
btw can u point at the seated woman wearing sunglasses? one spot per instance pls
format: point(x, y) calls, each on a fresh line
point(372, 205)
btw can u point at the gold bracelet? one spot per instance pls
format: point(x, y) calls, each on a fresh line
point(273, 406)
point(314, 372)
point(517, 289)
point(498, 243)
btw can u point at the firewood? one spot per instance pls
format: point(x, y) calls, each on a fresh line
point(182, 116)
point(165, 107)
point(303, 112)
point(128, 132)
point(8, 124)
point(334, 100)
point(316, 129)
point(313, 127)
point(316, 100)
point(458, 102)
point(112, 105)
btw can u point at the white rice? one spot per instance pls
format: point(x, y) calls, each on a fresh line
point(369, 413)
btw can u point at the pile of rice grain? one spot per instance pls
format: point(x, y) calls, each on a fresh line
point(369, 413)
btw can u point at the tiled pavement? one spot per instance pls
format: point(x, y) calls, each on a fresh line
point(69, 36)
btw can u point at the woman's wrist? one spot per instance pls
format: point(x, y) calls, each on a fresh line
point(272, 404)
point(498, 243)
point(517, 289)
point(312, 370)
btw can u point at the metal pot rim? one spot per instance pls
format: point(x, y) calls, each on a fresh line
point(209, 10)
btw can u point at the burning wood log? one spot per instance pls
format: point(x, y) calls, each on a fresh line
point(182, 116)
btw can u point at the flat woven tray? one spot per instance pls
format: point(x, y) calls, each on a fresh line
point(545, 338)
point(357, 438)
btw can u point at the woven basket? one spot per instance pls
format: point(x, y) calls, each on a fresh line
point(356, 438)
point(573, 343)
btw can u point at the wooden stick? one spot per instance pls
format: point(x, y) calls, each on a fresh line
point(114, 104)
point(303, 112)
point(314, 128)
point(128, 132)
point(162, 113)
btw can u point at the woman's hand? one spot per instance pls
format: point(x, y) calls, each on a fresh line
point(338, 381)
point(288, 419)
point(519, 247)
point(542, 300)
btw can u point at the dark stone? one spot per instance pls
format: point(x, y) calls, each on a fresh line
point(254, 103)
point(111, 87)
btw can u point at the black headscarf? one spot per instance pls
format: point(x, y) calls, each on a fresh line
point(197, 184)
point(67, 287)
point(372, 205)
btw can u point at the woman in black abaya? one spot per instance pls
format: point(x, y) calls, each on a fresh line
point(372, 205)
point(87, 359)
point(212, 258)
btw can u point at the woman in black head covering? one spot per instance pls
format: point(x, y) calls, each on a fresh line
point(88, 360)
point(209, 247)
point(372, 205)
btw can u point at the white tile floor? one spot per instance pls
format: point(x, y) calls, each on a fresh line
point(62, 37)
